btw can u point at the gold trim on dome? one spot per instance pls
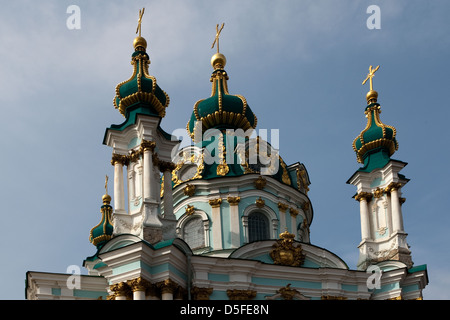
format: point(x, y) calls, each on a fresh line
point(140, 95)
point(390, 144)
point(107, 215)
point(302, 180)
point(222, 116)
point(285, 177)
point(222, 167)
point(382, 142)
point(306, 206)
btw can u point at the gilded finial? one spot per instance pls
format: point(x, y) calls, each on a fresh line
point(370, 76)
point(106, 184)
point(372, 95)
point(141, 13)
point(216, 39)
point(106, 197)
point(218, 60)
point(140, 42)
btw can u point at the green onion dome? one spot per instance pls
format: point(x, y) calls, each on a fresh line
point(141, 88)
point(222, 110)
point(377, 136)
point(102, 232)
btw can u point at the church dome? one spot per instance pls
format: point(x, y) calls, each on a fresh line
point(141, 88)
point(222, 110)
point(377, 135)
point(102, 232)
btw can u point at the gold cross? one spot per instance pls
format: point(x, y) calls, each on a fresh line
point(216, 39)
point(106, 184)
point(370, 76)
point(141, 13)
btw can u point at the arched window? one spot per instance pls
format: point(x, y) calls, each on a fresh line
point(258, 227)
point(193, 233)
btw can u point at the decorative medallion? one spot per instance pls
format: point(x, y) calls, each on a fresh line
point(190, 210)
point(260, 183)
point(222, 169)
point(285, 253)
point(188, 167)
point(260, 203)
point(189, 190)
point(378, 193)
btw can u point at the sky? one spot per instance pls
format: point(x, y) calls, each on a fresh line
point(299, 64)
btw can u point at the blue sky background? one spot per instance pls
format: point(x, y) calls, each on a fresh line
point(299, 64)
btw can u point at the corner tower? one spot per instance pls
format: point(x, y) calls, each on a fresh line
point(379, 189)
point(144, 148)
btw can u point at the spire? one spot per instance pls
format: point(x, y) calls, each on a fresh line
point(377, 142)
point(372, 95)
point(102, 232)
point(140, 90)
point(222, 110)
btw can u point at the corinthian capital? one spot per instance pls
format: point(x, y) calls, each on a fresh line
point(363, 196)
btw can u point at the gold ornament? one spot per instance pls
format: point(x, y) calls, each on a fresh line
point(285, 253)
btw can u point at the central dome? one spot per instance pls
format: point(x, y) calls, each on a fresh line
point(222, 110)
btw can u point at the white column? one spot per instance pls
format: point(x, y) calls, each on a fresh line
point(234, 221)
point(121, 290)
point(168, 196)
point(131, 183)
point(282, 211)
point(168, 288)
point(363, 197)
point(397, 219)
point(293, 226)
point(138, 286)
point(139, 295)
point(216, 223)
point(245, 228)
point(119, 198)
point(148, 167)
